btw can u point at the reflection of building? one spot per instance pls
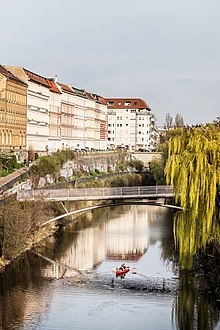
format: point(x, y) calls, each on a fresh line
point(13, 113)
point(127, 236)
point(120, 237)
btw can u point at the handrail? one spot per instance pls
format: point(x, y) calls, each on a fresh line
point(96, 193)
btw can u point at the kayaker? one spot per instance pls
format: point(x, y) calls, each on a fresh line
point(122, 267)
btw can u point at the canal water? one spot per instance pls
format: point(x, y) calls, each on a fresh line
point(69, 280)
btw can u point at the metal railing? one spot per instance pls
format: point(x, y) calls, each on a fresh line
point(74, 194)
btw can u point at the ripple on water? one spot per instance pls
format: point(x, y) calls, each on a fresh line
point(85, 307)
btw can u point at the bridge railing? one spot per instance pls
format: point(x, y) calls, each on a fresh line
point(95, 193)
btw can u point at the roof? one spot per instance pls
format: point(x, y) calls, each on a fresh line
point(8, 74)
point(126, 103)
point(66, 88)
point(102, 100)
point(79, 92)
point(95, 97)
point(37, 78)
point(53, 86)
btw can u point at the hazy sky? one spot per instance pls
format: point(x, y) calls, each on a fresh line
point(164, 51)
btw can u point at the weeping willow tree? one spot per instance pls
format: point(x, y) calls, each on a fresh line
point(193, 169)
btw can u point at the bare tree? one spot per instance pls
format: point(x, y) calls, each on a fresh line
point(179, 122)
point(168, 121)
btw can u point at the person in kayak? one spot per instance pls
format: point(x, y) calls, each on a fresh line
point(122, 267)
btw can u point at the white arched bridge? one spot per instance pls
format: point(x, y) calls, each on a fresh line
point(89, 194)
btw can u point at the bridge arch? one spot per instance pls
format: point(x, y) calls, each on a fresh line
point(86, 209)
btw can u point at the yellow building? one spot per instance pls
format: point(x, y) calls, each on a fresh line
point(13, 113)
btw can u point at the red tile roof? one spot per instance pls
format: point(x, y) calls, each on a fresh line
point(53, 86)
point(36, 78)
point(10, 75)
point(66, 88)
point(126, 103)
point(96, 98)
point(102, 100)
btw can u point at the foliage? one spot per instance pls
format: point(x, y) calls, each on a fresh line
point(137, 164)
point(8, 163)
point(193, 169)
point(157, 169)
point(131, 179)
point(51, 164)
point(17, 223)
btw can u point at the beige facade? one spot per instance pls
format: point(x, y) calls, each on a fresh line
point(37, 109)
point(13, 113)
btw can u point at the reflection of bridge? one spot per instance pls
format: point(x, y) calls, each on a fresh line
point(79, 194)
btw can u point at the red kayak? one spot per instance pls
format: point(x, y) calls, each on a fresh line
point(121, 272)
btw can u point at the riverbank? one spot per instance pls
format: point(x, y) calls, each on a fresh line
point(39, 234)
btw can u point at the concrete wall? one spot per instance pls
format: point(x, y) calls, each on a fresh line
point(145, 157)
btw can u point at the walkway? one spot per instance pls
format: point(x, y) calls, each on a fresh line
point(8, 181)
point(88, 194)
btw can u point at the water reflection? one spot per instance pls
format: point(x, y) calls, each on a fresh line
point(137, 235)
point(112, 236)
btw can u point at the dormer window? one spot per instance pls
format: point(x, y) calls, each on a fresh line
point(111, 103)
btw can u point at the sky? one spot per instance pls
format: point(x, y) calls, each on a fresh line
point(166, 52)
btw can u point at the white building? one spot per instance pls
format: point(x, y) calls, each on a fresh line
point(83, 121)
point(61, 116)
point(130, 124)
point(54, 140)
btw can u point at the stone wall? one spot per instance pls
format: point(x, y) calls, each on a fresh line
point(88, 162)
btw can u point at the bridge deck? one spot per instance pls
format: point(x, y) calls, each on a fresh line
point(77, 194)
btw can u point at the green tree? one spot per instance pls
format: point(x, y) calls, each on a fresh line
point(193, 169)
point(157, 169)
point(137, 164)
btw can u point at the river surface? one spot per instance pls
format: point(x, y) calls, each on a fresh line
point(69, 281)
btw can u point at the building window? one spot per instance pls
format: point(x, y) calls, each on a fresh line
point(127, 103)
point(111, 103)
point(119, 103)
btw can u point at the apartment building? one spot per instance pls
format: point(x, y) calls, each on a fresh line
point(131, 124)
point(60, 115)
point(54, 139)
point(38, 95)
point(13, 113)
point(97, 117)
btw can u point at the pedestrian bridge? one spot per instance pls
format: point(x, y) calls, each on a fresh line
point(89, 194)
